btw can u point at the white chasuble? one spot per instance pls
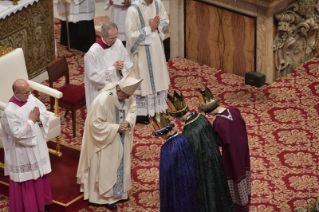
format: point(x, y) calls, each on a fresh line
point(103, 152)
point(98, 67)
point(24, 142)
point(145, 47)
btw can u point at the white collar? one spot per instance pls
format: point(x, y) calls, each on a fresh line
point(20, 99)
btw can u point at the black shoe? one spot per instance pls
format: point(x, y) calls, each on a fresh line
point(142, 120)
point(111, 207)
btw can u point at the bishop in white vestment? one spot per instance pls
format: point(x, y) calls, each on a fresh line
point(27, 162)
point(100, 62)
point(104, 170)
point(145, 47)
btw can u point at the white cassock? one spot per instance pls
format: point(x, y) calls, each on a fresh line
point(98, 67)
point(24, 142)
point(104, 170)
point(145, 48)
point(118, 16)
point(78, 10)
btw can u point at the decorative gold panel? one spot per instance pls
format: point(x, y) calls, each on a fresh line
point(31, 29)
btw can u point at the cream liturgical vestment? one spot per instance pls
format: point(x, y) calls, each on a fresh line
point(98, 67)
point(25, 147)
point(145, 48)
point(104, 170)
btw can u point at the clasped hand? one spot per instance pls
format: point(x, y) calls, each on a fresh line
point(119, 65)
point(123, 127)
point(35, 114)
point(154, 22)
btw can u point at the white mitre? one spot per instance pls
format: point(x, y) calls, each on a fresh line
point(129, 83)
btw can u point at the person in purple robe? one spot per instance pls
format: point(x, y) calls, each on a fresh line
point(178, 191)
point(24, 129)
point(231, 128)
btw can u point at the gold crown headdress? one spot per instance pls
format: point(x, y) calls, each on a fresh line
point(177, 106)
point(207, 101)
point(161, 124)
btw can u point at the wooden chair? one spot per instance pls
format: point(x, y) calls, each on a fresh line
point(73, 95)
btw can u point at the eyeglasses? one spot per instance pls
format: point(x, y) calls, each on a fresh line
point(26, 93)
point(112, 38)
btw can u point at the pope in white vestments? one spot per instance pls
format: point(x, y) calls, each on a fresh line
point(107, 60)
point(24, 129)
point(104, 170)
point(144, 43)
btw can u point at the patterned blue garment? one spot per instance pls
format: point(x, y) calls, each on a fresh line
point(178, 191)
point(119, 186)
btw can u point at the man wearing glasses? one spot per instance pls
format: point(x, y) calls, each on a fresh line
point(24, 129)
point(107, 60)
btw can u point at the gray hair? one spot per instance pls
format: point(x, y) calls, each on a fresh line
point(108, 26)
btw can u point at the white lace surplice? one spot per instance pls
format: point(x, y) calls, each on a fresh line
point(151, 104)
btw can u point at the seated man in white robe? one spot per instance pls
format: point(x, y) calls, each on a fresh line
point(24, 129)
point(104, 170)
point(107, 60)
point(145, 27)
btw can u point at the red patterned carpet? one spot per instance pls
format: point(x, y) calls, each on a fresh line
point(282, 121)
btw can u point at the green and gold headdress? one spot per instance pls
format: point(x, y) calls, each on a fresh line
point(207, 101)
point(176, 105)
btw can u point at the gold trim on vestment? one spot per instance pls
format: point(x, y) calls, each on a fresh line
point(192, 120)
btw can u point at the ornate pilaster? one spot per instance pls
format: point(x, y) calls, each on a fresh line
point(31, 29)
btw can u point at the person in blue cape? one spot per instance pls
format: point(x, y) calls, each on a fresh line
point(177, 173)
point(212, 189)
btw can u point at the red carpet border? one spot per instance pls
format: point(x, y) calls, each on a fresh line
point(282, 122)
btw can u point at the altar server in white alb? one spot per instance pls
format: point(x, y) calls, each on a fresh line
point(118, 15)
point(104, 170)
point(80, 15)
point(107, 60)
point(145, 28)
point(27, 162)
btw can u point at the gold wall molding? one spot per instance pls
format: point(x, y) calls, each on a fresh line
point(31, 29)
point(4, 50)
point(296, 39)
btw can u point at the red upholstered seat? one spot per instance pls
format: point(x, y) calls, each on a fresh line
point(73, 95)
